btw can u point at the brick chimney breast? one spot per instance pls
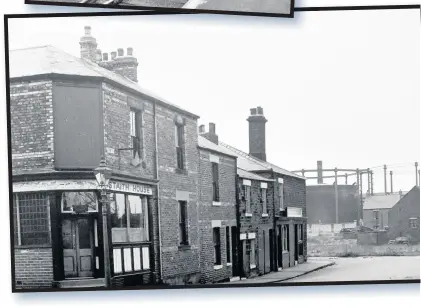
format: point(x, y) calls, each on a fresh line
point(257, 133)
point(88, 46)
point(126, 65)
point(202, 129)
point(211, 135)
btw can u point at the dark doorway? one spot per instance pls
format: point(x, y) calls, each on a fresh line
point(296, 246)
point(272, 250)
point(234, 245)
point(279, 246)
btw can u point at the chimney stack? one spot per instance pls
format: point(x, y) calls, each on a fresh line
point(211, 135)
point(113, 55)
point(257, 133)
point(391, 182)
point(88, 46)
point(319, 172)
point(126, 65)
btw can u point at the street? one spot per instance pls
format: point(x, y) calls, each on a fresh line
point(365, 268)
point(257, 6)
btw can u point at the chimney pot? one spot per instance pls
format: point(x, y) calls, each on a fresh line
point(130, 51)
point(212, 128)
point(120, 52)
point(113, 55)
point(98, 55)
point(88, 30)
point(105, 56)
point(260, 110)
point(202, 129)
point(253, 111)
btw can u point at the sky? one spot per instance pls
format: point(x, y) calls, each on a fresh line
point(342, 87)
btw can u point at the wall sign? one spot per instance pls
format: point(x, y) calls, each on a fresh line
point(130, 188)
point(294, 212)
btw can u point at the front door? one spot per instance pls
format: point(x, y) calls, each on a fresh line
point(78, 247)
point(234, 245)
point(272, 250)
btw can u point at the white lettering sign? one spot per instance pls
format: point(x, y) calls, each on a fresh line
point(130, 188)
point(294, 212)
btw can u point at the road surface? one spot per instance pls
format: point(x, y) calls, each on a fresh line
point(365, 268)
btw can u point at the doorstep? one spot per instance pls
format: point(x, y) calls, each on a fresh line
point(81, 283)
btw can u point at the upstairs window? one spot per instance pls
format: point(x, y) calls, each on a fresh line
point(136, 133)
point(281, 194)
point(184, 239)
point(215, 182)
point(285, 242)
point(179, 145)
point(247, 197)
point(264, 200)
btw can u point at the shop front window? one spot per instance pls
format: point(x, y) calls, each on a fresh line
point(129, 218)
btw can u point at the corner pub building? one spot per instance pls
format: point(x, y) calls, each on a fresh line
point(67, 115)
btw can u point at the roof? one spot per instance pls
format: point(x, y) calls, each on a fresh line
point(207, 144)
point(381, 202)
point(251, 176)
point(249, 163)
point(43, 60)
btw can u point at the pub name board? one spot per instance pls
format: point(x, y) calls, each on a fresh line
point(130, 188)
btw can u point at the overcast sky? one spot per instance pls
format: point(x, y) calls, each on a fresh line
point(342, 87)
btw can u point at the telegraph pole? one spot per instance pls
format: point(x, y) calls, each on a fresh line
point(391, 182)
point(385, 179)
point(371, 182)
point(336, 195)
point(359, 195)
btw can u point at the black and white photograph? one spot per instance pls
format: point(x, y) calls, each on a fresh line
point(281, 8)
point(273, 153)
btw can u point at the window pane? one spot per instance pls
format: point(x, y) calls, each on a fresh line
point(87, 201)
point(136, 259)
point(138, 230)
point(145, 257)
point(118, 219)
point(117, 260)
point(84, 234)
point(127, 260)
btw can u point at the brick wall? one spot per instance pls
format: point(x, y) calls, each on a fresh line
point(407, 207)
point(179, 264)
point(33, 268)
point(32, 137)
point(370, 222)
point(256, 223)
point(214, 215)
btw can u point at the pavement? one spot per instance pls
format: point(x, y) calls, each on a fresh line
point(365, 269)
point(287, 273)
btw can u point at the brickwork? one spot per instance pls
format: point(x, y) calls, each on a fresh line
point(32, 137)
point(222, 215)
point(257, 223)
point(179, 264)
point(33, 268)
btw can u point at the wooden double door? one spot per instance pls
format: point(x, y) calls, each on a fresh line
point(78, 246)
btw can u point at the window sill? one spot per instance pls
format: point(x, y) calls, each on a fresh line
point(181, 171)
point(249, 214)
point(184, 247)
point(217, 267)
point(265, 215)
point(229, 264)
point(216, 203)
point(252, 266)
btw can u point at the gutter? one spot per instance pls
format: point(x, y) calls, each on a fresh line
point(157, 190)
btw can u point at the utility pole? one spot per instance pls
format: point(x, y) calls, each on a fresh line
point(346, 178)
point(416, 174)
point(359, 195)
point(391, 182)
point(368, 181)
point(371, 182)
point(385, 179)
point(336, 195)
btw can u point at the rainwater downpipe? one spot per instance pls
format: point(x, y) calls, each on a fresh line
point(157, 191)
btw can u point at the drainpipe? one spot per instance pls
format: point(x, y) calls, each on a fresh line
point(275, 237)
point(240, 270)
point(157, 190)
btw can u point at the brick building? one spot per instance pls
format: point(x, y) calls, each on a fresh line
point(287, 236)
point(404, 217)
point(217, 209)
point(376, 210)
point(68, 112)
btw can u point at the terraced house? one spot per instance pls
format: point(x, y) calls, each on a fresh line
point(113, 186)
point(66, 114)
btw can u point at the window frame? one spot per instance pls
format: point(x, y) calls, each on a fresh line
point(136, 132)
point(413, 223)
point(183, 224)
point(281, 196)
point(264, 195)
point(179, 146)
point(285, 237)
point(247, 198)
point(17, 234)
point(80, 191)
point(215, 182)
